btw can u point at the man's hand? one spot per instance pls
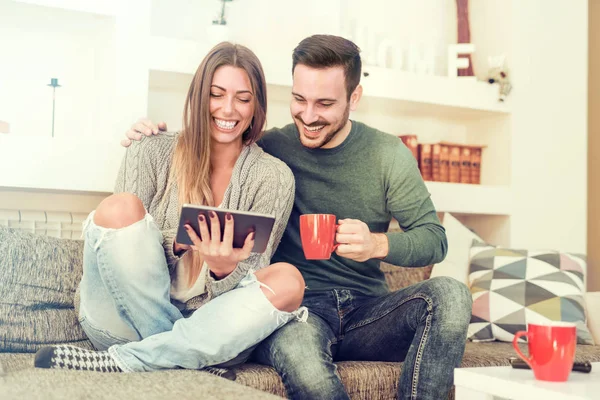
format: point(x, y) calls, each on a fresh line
point(358, 243)
point(142, 127)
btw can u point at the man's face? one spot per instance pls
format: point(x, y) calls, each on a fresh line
point(320, 107)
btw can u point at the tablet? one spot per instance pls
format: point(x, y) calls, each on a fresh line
point(244, 222)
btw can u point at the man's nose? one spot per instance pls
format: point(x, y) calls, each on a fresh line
point(309, 116)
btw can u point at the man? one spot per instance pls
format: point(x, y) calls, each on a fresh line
point(364, 177)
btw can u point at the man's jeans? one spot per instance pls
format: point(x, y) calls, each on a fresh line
point(125, 306)
point(424, 325)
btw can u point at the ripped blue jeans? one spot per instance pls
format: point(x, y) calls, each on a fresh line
point(126, 309)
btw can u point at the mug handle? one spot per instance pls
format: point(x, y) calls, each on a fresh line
point(518, 335)
point(335, 245)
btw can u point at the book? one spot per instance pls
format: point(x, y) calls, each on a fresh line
point(435, 162)
point(444, 163)
point(476, 165)
point(454, 170)
point(410, 141)
point(465, 164)
point(425, 161)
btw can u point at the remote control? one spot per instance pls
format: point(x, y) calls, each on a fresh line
point(584, 366)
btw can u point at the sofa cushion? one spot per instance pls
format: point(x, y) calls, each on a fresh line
point(460, 238)
point(38, 279)
point(514, 287)
point(22, 381)
point(364, 380)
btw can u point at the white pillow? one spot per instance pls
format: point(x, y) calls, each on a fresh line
point(456, 263)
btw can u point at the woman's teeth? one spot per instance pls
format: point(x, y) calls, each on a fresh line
point(227, 125)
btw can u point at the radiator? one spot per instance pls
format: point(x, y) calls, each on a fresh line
point(66, 225)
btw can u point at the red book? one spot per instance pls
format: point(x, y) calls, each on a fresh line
point(476, 165)
point(454, 173)
point(436, 150)
point(465, 165)
point(445, 163)
point(425, 161)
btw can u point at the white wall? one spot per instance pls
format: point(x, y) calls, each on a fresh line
point(594, 148)
point(549, 124)
point(397, 25)
point(38, 43)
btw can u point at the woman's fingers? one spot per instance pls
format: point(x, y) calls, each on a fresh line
point(248, 245)
point(215, 233)
point(228, 233)
point(193, 236)
point(204, 233)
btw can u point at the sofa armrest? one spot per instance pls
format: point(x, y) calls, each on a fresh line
point(592, 302)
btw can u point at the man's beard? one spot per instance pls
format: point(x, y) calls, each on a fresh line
point(331, 135)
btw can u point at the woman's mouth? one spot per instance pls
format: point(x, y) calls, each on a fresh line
point(225, 125)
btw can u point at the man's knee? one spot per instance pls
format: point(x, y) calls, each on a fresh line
point(119, 210)
point(286, 283)
point(454, 298)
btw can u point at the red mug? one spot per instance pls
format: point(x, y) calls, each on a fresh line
point(551, 350)
point(317, 232)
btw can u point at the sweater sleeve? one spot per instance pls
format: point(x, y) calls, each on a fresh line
point(275, 196)
point(138, 175)
point(423, 240)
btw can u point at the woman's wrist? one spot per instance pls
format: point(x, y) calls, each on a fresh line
point(221, 272)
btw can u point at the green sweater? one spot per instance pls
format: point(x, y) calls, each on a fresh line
point(371, 177)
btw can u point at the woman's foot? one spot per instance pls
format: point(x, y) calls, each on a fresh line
point(75, 358)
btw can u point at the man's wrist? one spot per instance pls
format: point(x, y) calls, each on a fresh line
point(381, 245)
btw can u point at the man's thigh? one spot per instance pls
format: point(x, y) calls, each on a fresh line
point(383, 328)
point(295, 342)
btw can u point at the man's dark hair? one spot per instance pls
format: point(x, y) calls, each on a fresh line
point(325, 51)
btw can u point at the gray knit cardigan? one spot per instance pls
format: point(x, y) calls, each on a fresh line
point(259, 183)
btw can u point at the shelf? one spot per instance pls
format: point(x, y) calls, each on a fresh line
point(409, 93)
point(73, 165)
point(470, 199)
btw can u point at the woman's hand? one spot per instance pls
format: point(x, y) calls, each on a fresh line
point(219, 255)
point(179, 249)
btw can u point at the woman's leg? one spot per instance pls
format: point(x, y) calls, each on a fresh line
point(125, 285)
point(220, 330)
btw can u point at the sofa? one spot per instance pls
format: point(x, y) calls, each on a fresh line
point(38, 278)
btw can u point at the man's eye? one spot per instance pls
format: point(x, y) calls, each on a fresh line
point(298, 99)
point(326, 104)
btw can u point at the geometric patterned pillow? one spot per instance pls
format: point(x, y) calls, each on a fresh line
point(511, 288)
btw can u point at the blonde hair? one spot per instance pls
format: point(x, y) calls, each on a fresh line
point(191, 167)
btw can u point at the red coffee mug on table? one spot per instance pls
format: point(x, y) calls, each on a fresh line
point(551, 349)
point(317, 232)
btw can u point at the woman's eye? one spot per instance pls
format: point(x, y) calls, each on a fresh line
point(245, 100)
point(215, 95)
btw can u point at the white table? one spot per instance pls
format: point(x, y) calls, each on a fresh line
point(493, 383)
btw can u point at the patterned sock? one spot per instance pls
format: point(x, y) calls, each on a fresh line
point(222, 372)
point(71, 357)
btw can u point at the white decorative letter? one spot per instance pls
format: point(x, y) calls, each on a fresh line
point(455, 62)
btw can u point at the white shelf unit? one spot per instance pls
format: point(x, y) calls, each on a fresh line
point(59, 164)
point(471, 199)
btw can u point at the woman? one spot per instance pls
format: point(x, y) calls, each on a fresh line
point(149, 303)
